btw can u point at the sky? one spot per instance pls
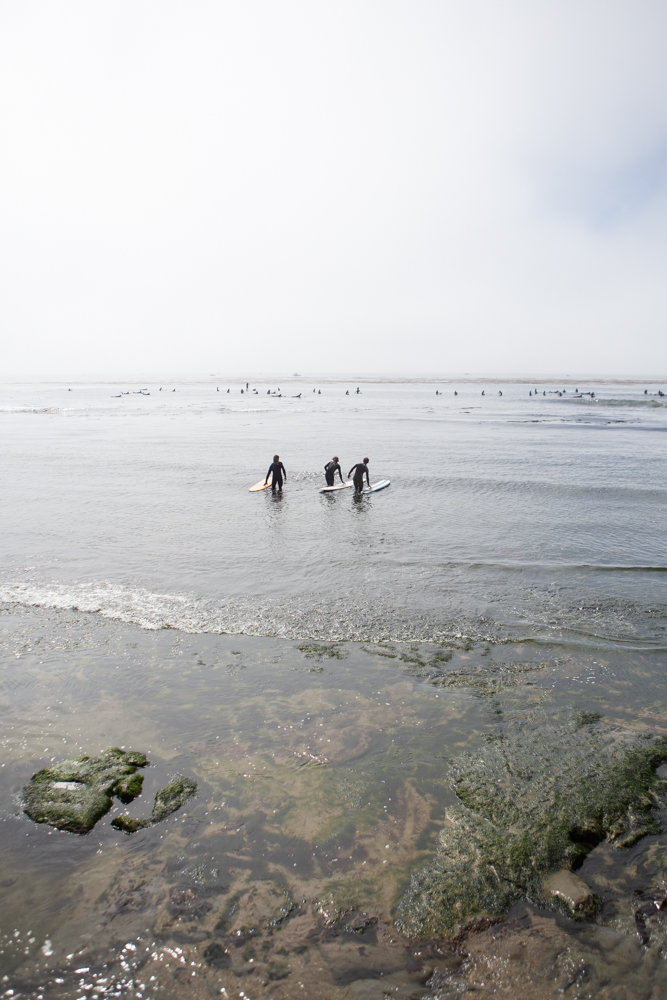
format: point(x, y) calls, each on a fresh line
point(352, 186)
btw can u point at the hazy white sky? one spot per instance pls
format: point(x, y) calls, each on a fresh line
point(352, 186)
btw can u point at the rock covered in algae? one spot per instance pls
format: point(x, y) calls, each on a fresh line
point(74, 794)
point(536, 797)
point(167, 801)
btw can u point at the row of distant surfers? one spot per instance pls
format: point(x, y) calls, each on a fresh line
point(357, 474)
point(357, 392)
point(277, 392)
point(269, 392)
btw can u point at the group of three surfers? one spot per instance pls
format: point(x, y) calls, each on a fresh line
point(357, 472)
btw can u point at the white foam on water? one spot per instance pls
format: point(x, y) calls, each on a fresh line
point(297, 618)
point(30, 409)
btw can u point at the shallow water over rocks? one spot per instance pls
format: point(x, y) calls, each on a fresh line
point(324, 774)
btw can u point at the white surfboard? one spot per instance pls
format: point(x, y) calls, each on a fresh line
point(261, 485)
point(338, 486)
point(382, 484)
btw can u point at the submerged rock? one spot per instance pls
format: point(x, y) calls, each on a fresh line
point(167, 801)
point(74, 794)
point(536, 797)
point(217, 956)
point(577, 895)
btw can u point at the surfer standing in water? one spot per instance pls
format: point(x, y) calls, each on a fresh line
point(276, 470)
point(360, 470)
point(330, 470)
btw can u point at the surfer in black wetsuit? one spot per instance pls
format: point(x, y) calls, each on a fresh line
point(276, 470)
point(330, 470)
point(360, 470)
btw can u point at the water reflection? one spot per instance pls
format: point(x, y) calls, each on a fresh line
point(360, 503)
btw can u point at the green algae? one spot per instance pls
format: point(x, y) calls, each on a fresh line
point(489, 679)
point(167, 801)
point(485, 679)
point(433, 662)
point(536, 797)
point(74, 794)
point(425, 655)
point(128, 788)
point(320, 650)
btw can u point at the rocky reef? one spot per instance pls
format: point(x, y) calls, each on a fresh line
point(533, 801)
point(74, 794)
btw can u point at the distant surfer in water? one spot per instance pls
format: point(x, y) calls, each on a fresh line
point(330, 470)
point(276, 470)
point(360, 470)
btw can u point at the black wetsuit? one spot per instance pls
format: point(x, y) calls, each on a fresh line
point(276, 470)
point(360, 470)
point(330, 470)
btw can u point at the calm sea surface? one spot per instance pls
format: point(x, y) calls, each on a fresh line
point(281, 649)
point(506, 515)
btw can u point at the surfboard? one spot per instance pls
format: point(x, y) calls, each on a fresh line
point(261, 485)
point(338, 486)
point(382, 484)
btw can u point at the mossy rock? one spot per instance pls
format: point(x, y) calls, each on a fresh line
point(535, 798)
point(167, 801)
point(74, 794)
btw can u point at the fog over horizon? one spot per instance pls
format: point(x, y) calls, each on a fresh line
point(370, 187)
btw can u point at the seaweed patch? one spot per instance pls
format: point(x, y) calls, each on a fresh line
point(321, 650)
point(534, 799)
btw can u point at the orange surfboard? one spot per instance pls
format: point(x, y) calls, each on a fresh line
point(261, 485)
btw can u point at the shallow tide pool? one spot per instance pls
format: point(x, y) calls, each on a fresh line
point(323, 781)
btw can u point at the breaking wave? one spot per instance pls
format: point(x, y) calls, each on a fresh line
point(546, 615)
point(326, 619)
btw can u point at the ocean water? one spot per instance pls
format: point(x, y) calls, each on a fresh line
point(507, 515)
point(288, 651)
